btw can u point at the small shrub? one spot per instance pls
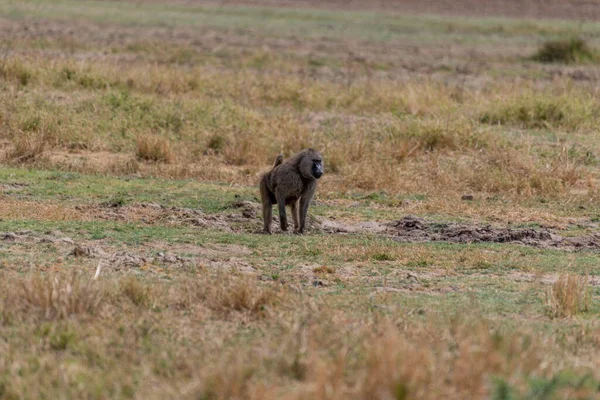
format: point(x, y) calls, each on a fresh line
point(324, 269)
point(17, 70)
point(568, 296)
point(383, 257)
point(153, 148)
point(62, 338)
point(528, 113)
point(68, 73)
point(134, 290)
point(574, 50)
point(172, 121)
point(436, 138)
point(216, 143)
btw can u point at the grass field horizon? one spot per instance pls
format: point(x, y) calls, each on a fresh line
point(452, 247)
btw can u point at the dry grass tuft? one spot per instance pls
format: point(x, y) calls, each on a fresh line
point(568, 296)
point(27, 148)
point(60, 296)
point(136, 291)
point(154, 148)
point(226, 294)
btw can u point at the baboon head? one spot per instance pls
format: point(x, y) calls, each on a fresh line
point(311, 164)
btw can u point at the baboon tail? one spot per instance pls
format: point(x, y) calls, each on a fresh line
point(278, 160)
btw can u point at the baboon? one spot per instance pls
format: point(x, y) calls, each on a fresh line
point(292, 183)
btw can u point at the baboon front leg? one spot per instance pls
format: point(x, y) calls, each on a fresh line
point(295, 212)
point(282, 216)
point(304, 203)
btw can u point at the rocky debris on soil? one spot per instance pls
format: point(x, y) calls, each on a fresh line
point(13, 186)
point(123, 258)
point(319, 283)
point(410, 223)
point(87, 251)
point(28, 236)
point(414, 229)
point(9, 237)
point(169, 258)
point(53, 239)
point(249, 208)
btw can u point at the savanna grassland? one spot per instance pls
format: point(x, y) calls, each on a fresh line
point(453, 243)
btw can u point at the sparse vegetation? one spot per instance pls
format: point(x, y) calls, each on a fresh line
point(452, 247)
point(567, 51)
point(58, 296)
point(153, 148)
point(27, 148)
point(568, 296)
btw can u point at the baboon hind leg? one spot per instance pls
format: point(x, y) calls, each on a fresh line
point(282, 216)
point(295, 212)
point(267, 216)
point(267, 205)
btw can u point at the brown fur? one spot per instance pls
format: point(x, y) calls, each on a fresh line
point(292, 183)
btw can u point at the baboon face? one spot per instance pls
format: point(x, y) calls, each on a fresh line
point(317, 168)
point(312, 164)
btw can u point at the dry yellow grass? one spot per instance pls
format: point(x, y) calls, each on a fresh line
point(568, 296)
point(153, 148)
point(26, 148)
point(58, 296)
point(305, 348)
point(413, 138)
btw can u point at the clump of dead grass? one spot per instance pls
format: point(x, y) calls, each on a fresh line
point(568, 296)
point(154, 148)
point(136, 291)
point(59, 296)
point(18, 70)
point(27, 148)
point(226, 294)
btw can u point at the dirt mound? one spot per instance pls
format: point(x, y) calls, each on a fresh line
point(414, 229)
